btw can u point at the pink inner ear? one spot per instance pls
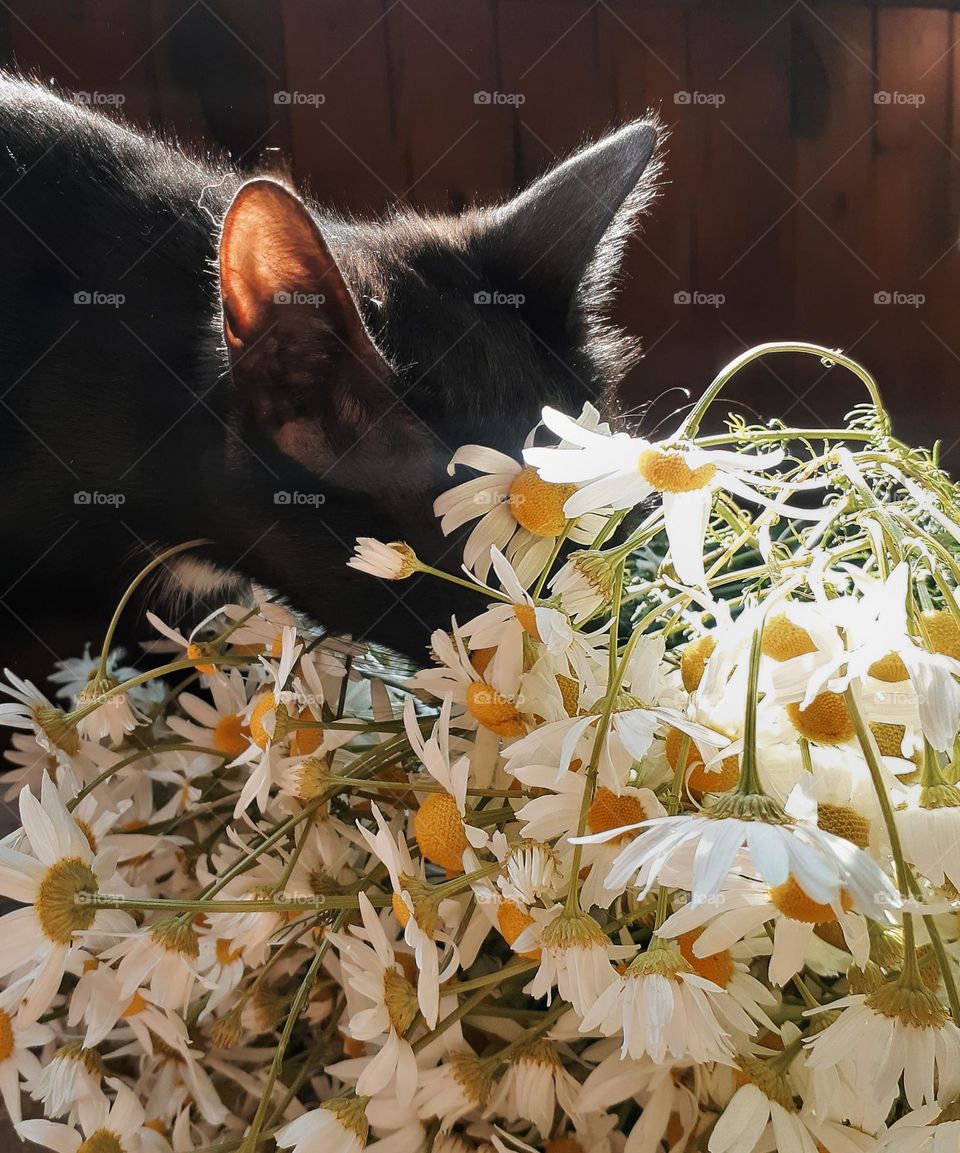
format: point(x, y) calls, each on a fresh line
point(269, 245)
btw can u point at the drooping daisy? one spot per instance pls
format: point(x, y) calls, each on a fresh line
point(115, 1126)
point(666, 1010)
point(52, 880)
point(532, 1086)
point(338, 1126)
point(31, 711)
point(369, 963)
point(520, 514)
point(393, 562)
point(71, 1078)
point(763, 1116)
point(455, 1089)
point(574, 956)
point(822, 865)
point(929, 828)
point(893, 1033)
point(620, 471)
point(16, 1061)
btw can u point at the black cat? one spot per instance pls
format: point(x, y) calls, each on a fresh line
point(186, 353)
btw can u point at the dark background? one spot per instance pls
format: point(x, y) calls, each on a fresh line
point(796, 199)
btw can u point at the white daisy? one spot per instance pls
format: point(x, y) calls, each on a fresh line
point(533, 1085)
point(393, 562)
point(574, 957)
point(52, 880)
point(115, 1126)
point(338, 1126)
point(520, 514)
point(620, 471)
point(16, 1061)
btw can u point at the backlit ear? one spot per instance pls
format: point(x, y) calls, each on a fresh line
point(567, 230)
point(302, 359)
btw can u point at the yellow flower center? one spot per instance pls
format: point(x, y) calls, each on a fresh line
point(889, 668)
point(511, 921)
point(527, 616)
point(225, 954)
point(400, 999)
point(783, 640)
point(439, 830)
point(608, 811)
point(569, 694)
point(260, 720)
point(670, 472)
point(825, 721)
point(194, 652)
point(60, 915)
point(481, 658)
point(137, 1005)
point(716, 967)
point(694, 659)
point(230, 736)
point(87, 832)
point(844, 822)
point(943, 631)
point(537, 505)
point(493, 710)
point(7, 1044)
point(889, 738)
point(400, 909)
point(306, 741)
point(101, 1141)
point(699, 778)
point(796, 904)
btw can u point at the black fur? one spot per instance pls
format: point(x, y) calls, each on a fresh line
point(139, 400)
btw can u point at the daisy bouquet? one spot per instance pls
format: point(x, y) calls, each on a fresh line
point(659, 851)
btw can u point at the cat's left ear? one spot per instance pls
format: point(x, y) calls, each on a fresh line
point(287, 309)
point(567, 230)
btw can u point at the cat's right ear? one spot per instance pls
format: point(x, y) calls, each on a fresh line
point(287, 309)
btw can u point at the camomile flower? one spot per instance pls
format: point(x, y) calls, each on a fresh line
point(574, 957)
point(163, 957)
point(418, 912)
point(393, 562)
point(116, 1127)
point(338, 1126)
point(51, 880)
point(69, 1080)
point(534, 1083)
point(74, 674)
point(666, 1010)
point(218, 725)
point(370, 966)
point(928, 821)
point(820, 864)
point(455, 1089)
point(743, 905)
point(763, 1116)
point(115, 713)
point(31, 711)
point(620, 471)
point(519, 513)
point(17, 1063)
point(925, 1130)
point(890, 1034)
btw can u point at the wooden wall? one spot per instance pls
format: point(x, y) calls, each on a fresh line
point(816, 164)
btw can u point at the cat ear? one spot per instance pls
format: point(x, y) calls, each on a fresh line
point(287, 310)
point(568, 228)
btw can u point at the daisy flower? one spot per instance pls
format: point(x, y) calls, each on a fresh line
point(218, 725)
point(70, 1079)
point(930, 836)
point(370, 965)
point(924, 1130)
point(416, 909)
point(534, 1084)
point(620, 471)
point(16, 1061)
point(338, 1126)
point(890, 1034)
point(743, 905)
point(666, 1010)
point(519, 513)
point(455, 1089)
point(31, 711)
point(39, 940)
point(393, 562)
point(755, 1120)
point(574, 957)
point(820, 864)
point(115, 1126)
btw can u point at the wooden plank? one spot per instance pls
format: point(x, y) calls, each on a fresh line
point(644, 51)
point(344, 147)
point(744, 214)
point(834, 123)
point(915, 222)
point(457, 139)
